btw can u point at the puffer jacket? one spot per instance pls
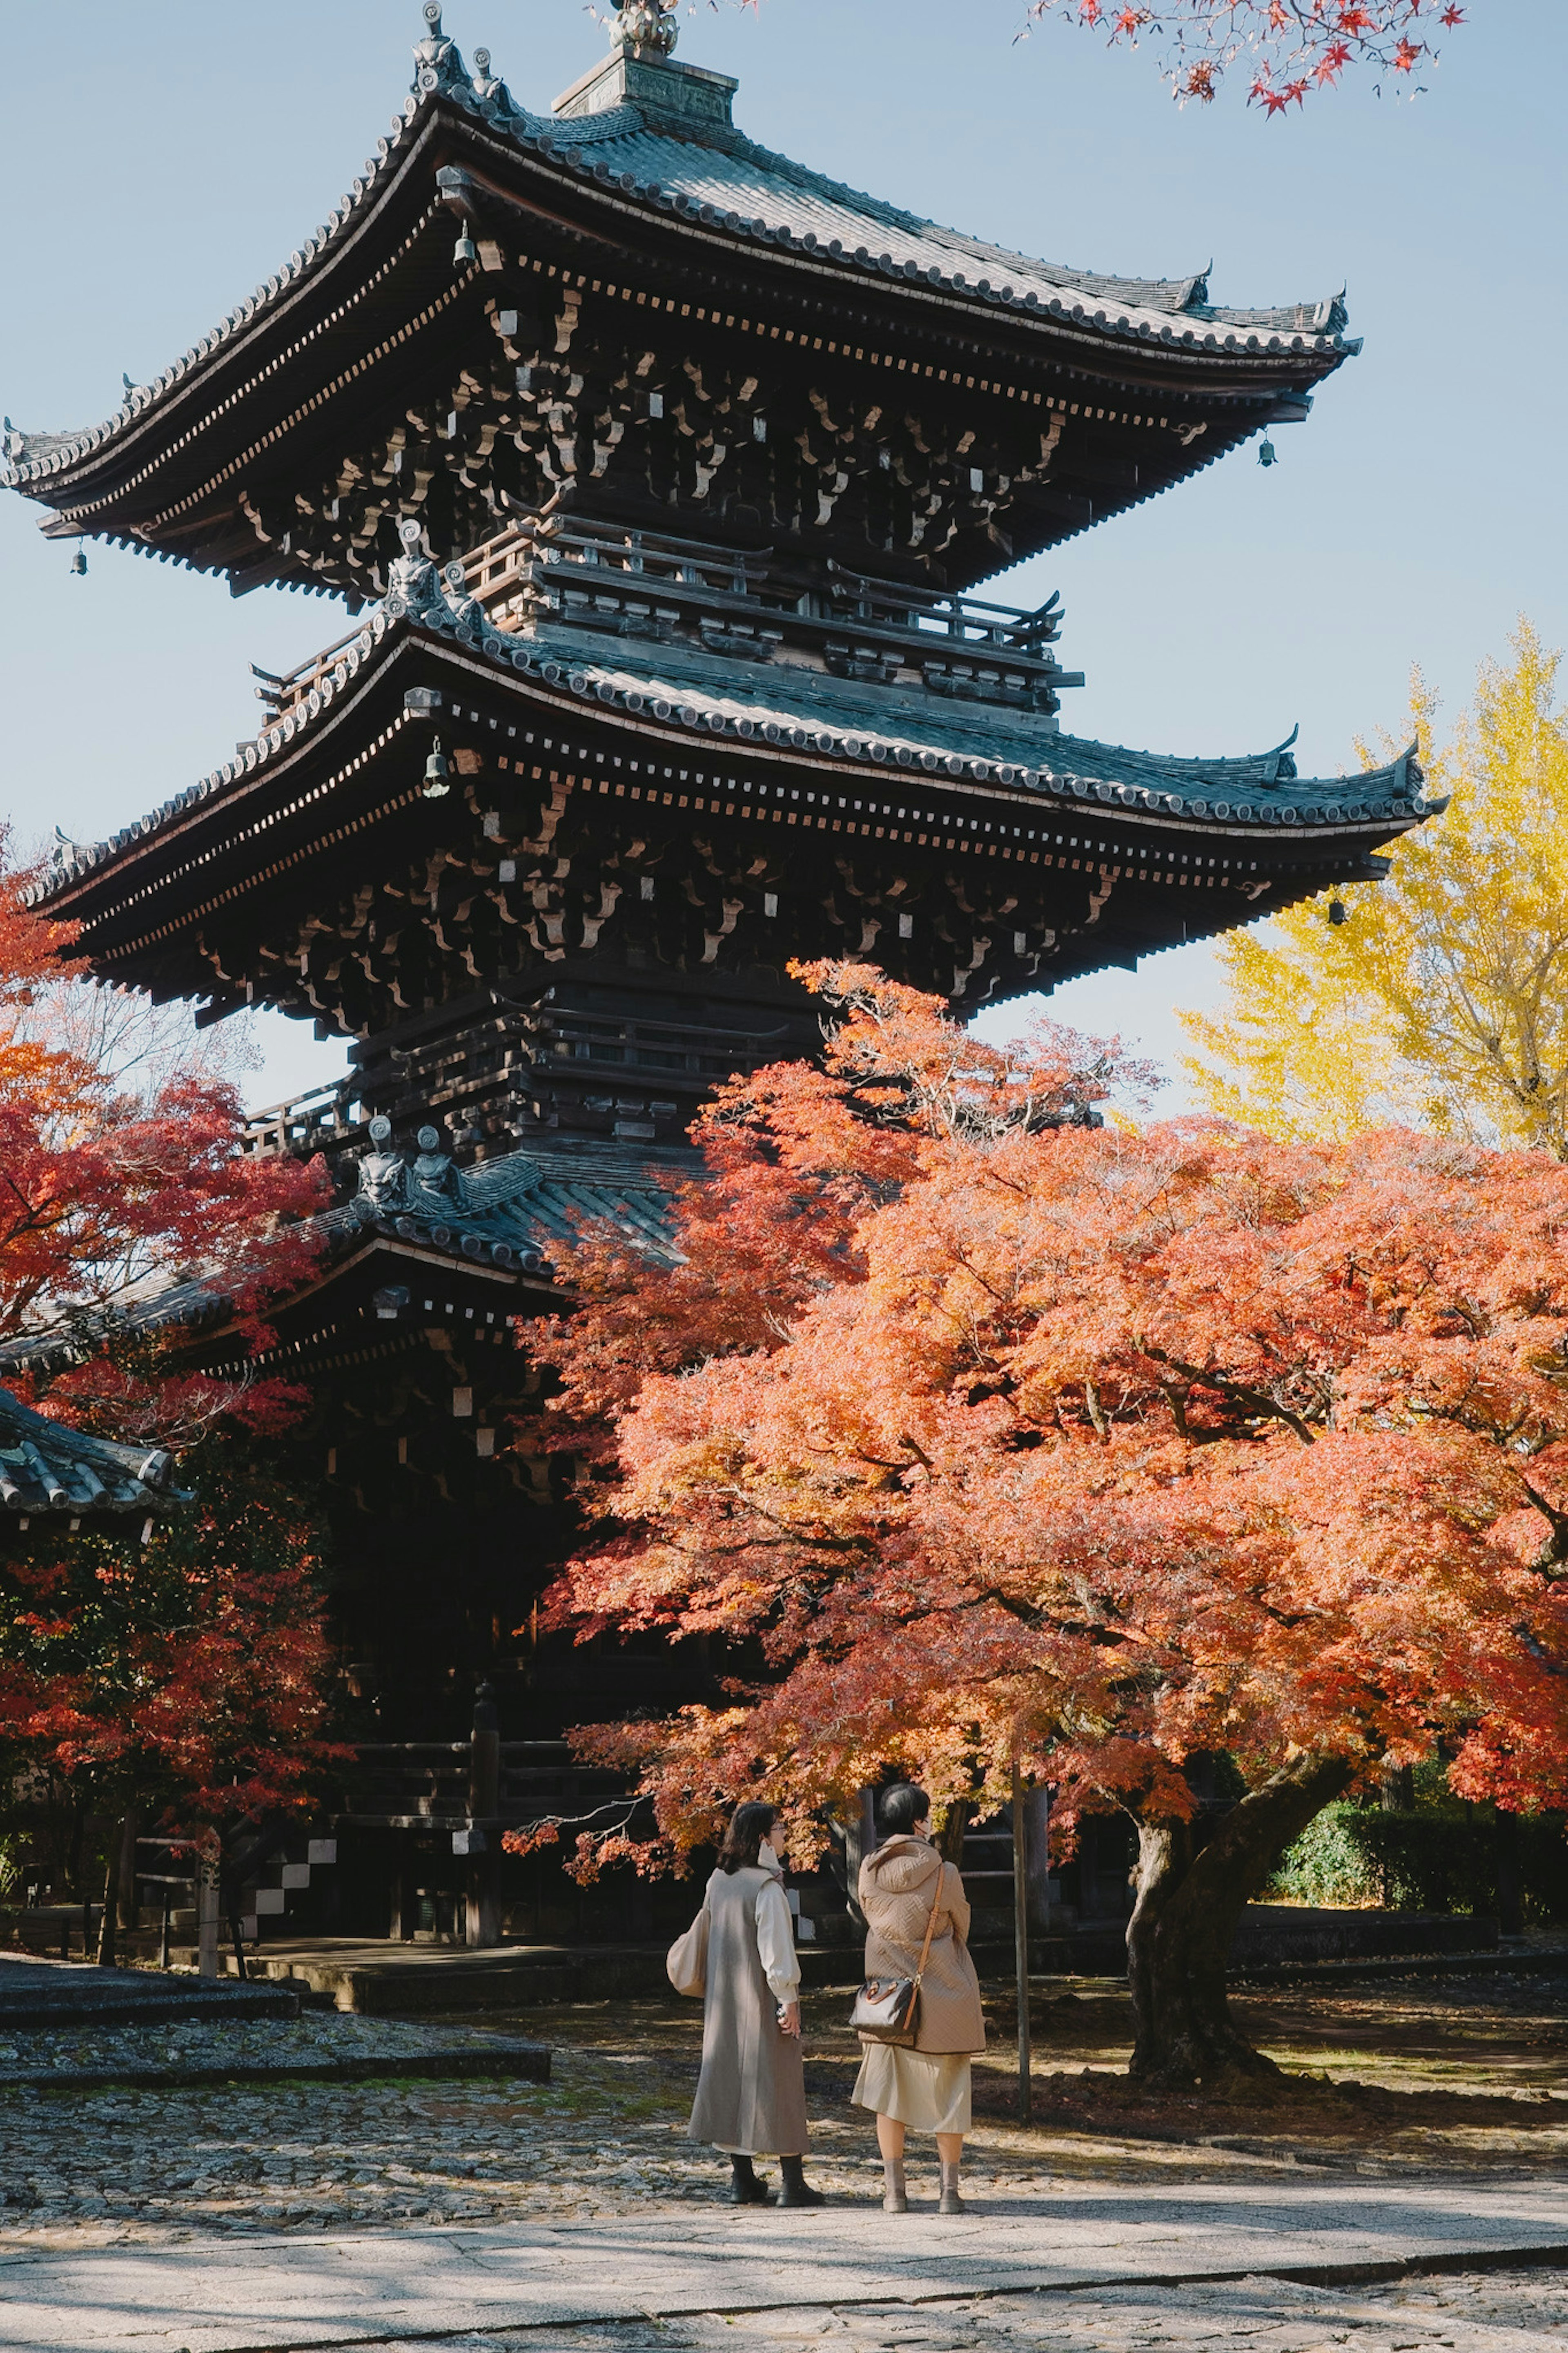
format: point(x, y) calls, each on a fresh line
point(898, 1885)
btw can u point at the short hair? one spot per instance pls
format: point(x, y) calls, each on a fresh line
point(749, 1826)
point(901, 1807)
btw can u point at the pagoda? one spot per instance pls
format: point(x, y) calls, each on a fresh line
point(656, 476)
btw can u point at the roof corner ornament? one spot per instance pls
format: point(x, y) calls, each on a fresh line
point(435, 1182)
point(416, 591)
point(647, 27)
point(438, 63)
point(382, 1173)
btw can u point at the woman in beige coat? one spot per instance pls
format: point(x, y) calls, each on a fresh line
point(929, 2086)
point(751, 2095)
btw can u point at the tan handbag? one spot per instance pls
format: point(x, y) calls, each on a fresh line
point(686, 1960)
point(887, 2009)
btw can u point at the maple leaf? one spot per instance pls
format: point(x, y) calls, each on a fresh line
point(1291, 45)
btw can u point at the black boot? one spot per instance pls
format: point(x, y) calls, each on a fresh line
point(796, 2191)
point(745, 2189)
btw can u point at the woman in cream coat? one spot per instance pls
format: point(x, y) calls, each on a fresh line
point(750, 2095)
point(927, 2088)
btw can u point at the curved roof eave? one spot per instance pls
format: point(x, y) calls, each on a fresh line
point(1160, 787)
point(49, 1470)
point(1166, 317)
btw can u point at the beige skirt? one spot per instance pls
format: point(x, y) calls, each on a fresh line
point(927, 2089)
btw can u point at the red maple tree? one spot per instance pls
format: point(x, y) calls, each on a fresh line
point(1291, 47)
point(184, 1667)
point(120, 1173)
point(991, 1434)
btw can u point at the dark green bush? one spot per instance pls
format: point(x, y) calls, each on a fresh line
point(1430, 1859)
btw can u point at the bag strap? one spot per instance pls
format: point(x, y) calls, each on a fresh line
point(931, 1924)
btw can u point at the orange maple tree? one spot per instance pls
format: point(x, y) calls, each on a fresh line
point(983, 1432)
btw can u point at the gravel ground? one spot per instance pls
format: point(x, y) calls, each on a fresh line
point(62, 2052)
point(134, 2166)
point(1463, 2085)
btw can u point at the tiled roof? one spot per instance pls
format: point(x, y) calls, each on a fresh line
point(519, 1206)
point(877, 727)
point(50, 1472)
point(729, 183)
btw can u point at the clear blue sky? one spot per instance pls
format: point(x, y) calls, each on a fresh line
point(160, 160)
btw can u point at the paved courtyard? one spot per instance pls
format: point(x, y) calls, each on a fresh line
point(1425, 2124)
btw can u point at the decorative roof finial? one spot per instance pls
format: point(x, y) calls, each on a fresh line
point(647, 27)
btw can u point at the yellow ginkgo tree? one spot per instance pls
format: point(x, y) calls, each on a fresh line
point(1439, 997)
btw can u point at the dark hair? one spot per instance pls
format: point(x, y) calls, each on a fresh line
point(902, 1807)
point(749, 1826)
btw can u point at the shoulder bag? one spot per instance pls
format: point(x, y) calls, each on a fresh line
point(887, 2009)
point(686, 1960)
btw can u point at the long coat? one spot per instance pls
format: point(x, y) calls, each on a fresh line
point(751, 2095)
point(898, 1887)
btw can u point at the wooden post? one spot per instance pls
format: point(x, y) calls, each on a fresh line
point(1021, 1938)
point(129, 1915)
point(105, 1954)
point(482, 1928)
point(1510, 1885)
point(164, 1929)
point(208, 1907)
point(1038, 1822)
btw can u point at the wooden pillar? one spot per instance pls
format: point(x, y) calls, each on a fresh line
point(483, 1890)
point(1510, 1879)
point(401, 1923)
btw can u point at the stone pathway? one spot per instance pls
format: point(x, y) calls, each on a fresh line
point(769, 2274)
point(1501, 2311)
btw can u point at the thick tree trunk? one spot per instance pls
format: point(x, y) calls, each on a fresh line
point(1193, 1880)
point(949, 1839)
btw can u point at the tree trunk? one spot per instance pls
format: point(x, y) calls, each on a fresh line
point(1193, 1879)
point(949, 1839)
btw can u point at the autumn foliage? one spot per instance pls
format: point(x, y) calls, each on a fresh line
point(184, 1669)
point(184, 1672)
point(1438, 997)
point(1290, 47)
point(116, 1175)
point(979, 1432)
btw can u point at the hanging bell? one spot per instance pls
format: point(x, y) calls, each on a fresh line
point(436, 772)
point(79, 564)
point(1267, 453)
point(465, 249)
point(1337, 912)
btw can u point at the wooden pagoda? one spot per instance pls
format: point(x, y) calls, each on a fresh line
point(656, 475)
